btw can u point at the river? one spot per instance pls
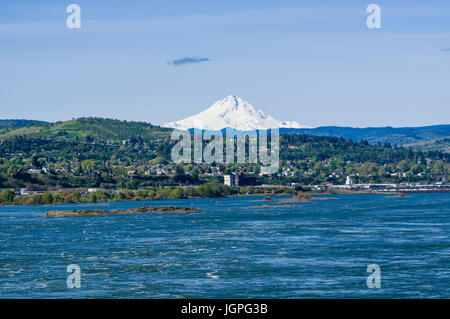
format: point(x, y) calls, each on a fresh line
point(232, 249)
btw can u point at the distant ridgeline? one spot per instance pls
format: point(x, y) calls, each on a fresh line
point(18, 123)
point(107, 129)
point(374, 135)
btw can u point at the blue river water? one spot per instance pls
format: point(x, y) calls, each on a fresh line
point(232, 249)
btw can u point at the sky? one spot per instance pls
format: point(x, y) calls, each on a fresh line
point(314, 62)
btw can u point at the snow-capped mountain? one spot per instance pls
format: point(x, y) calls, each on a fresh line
point(232, 112)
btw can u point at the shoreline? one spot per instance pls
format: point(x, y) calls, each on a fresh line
point(293, 198)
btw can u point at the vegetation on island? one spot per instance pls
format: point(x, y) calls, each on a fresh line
point(137, 210)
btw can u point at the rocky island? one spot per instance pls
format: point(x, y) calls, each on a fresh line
point(137, 210)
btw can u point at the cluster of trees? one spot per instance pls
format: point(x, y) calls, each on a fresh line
point(320, 148)
point(208, 190)
point(7, 196)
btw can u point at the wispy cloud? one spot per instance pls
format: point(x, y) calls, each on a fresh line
point(187, 60)
point(446, 49)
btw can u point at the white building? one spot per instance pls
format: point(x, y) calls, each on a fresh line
point(349, 181)
point(228, 180)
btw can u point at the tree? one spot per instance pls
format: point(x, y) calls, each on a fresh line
point(177, 193)
point(34, 199)
point(35, 161)
point(75, 197)
point(92, 198)
point(88, 165)
point(8, 196)
point(179, 170)
point(47, 198)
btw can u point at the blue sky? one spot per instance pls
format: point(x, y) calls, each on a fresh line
point(314, 62)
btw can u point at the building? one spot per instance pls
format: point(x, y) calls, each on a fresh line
point(349, 181)
point(228, 180)
point(24, 192)
point(34, 171)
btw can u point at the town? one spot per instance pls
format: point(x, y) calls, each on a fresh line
point(82, 157)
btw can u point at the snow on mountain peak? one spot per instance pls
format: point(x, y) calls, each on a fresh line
point(232, 112)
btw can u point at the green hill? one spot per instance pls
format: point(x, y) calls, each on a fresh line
point(102, 130)
point(97, 129)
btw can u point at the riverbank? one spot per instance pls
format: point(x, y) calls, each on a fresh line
point(210, 190)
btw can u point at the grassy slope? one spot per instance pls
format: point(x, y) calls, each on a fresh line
point(440, 144)
point(99, 129)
